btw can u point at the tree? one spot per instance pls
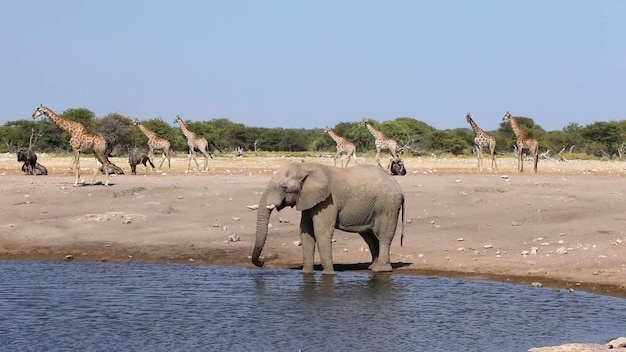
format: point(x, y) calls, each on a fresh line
point(84, 116)
point(271, 138)
point(605, 133)
point(447, 142)
point(115, 128)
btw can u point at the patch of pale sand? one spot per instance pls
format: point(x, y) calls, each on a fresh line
point(561, 227)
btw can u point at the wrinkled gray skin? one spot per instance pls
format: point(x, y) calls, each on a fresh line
point(362, 199)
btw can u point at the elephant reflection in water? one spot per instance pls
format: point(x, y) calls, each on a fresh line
point(362, 199)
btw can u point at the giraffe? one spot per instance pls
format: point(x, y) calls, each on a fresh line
point(523, 141)
point(81, 140)
point(155, 143)
point(382, 142)
point(194, 142)
point(481, 141)
point(343, 147)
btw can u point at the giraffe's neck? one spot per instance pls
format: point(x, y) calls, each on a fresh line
point(475, 127)
point(376, 133)
point(519, 133)
point(190, 135)
point(70, 127)
point(147, 132)
point(335, 137)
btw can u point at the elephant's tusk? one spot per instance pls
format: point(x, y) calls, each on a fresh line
point(271, 206)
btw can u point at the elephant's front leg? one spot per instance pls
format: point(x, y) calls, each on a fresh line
point(323, 235)
point(307, 240)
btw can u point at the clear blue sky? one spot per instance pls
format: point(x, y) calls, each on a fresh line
point(306, 64)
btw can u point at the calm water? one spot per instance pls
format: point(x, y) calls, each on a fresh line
point(78, 306)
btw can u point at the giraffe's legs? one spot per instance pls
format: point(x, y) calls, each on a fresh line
point(493, 158)
point(105, 166)
point(378, 157)
point(76, 164)
point(165, 155)
point(192, 155)
point(394, 154)
point(479, 154)
point(520, 159)
point(151, 157)
point(348, 161)
point(206, 158)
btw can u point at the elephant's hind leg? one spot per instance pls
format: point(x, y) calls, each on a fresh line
point(385, 230)
point(372, 243)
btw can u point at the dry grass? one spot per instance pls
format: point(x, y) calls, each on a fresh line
point(266, 164)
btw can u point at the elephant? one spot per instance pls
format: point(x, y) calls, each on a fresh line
point(363, 199)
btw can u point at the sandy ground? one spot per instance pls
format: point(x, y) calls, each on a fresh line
point(562, 227)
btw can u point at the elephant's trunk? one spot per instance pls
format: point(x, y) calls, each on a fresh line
point(262, 220)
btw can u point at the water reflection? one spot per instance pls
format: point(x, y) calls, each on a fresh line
point(158, 307)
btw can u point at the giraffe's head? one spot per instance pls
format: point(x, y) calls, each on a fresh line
point(364, 121)
point(177, 119)
point(507, 116)
point(41, 110)
point(136, 122)
point(468, 117)
point(326, 129)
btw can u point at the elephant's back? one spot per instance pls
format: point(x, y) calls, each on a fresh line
point(373, 178)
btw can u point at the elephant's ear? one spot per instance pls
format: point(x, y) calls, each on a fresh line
point(315, 188)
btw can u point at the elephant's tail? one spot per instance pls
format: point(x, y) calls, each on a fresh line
point(402, 223)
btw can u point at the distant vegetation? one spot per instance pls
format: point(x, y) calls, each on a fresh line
point(602, 139)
